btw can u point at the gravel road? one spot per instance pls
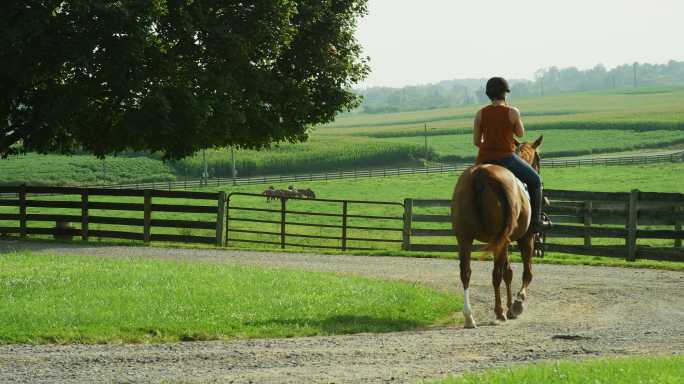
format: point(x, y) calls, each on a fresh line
point(573, 312)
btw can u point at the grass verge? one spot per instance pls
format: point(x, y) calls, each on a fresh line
point(549, 258)
point(659, 370)
point(68, 299)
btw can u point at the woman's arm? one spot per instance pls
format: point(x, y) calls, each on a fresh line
point(477, 129)
point(516, 119)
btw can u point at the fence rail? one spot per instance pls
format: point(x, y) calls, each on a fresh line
point(584, 216)
point(356, 174)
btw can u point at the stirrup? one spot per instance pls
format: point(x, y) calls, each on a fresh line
point(541, 226)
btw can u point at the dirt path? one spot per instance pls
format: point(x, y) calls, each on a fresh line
point(573, 312)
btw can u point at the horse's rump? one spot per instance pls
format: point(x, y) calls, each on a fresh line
point(494, 179)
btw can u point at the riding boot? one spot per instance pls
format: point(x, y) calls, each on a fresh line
point(537, 224)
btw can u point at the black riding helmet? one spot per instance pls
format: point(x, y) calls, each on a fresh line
point(497, 87)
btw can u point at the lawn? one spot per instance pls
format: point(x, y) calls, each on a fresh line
point(50, 299)
point(642, 370)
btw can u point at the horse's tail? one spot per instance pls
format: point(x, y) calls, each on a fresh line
point(482, 180)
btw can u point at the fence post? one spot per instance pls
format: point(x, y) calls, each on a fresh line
point(282, 222)
point(679, 218)
point(344, 226)
point(220, 218)
point(588, 206)
point(22, 211)
point(408, 216)
point(84, 215)
point(227, 220)
point(632, 224)
point(147, 216)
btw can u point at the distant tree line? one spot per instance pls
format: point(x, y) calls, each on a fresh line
point(547, 81)
point(412, 98)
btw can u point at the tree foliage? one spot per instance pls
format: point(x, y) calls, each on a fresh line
point(173, 76)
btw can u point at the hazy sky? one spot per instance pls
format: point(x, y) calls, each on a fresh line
point(424, 41)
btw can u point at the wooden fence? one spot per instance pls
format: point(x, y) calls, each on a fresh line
point(67, 206)
point(632, 225)
point(338, 218)
point(615, 224)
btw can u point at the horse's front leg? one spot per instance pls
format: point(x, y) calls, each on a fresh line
point(526, 245)
point(464, 249)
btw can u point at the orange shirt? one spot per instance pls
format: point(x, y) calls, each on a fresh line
point(497, 134)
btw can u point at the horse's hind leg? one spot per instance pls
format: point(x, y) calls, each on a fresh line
point(500, 264)
point(465, 247)
point(526, 245)
point(508, 279)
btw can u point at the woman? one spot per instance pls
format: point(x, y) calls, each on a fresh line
point(493, 133)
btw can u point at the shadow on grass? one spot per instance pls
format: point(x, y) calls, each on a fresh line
point(14, 244)
point(343, 324)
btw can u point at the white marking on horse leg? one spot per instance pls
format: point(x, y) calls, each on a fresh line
point(467, 311)
point(466, 303)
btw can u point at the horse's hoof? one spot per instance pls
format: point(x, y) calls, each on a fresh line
point(469, 323)
point(502, 318)
point(517, 308)
point(498, 322)
point(510, 315)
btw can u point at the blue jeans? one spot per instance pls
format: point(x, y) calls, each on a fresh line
point(529, 176)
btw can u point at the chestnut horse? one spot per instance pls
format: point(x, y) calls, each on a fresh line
point(490, 205)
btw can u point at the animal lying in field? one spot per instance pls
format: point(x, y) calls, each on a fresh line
point(291, 192)
point(307, 193)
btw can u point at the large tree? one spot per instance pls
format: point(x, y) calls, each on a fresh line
point(173, 76)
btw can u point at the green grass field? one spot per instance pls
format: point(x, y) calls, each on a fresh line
point(557, 143)
point(659, 105)
point(642, 370)
point(35, 169)
point(50, 299)
point(663, 177)
point(578, 123)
